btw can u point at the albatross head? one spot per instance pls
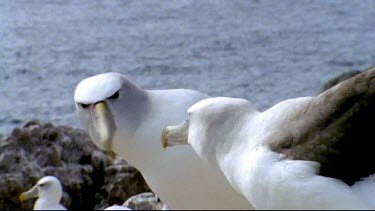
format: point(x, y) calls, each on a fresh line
point(48, 188)
point(210, 125)
point(106, 103)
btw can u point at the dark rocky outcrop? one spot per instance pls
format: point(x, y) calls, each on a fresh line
point(91, 179)
point(145, 201)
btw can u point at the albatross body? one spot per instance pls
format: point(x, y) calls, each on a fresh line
point(304, 153)
point(48, 190)
point(121, 117)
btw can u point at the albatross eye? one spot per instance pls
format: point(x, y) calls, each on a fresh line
point(84, 106)
point(44, 185)
point(115, 95)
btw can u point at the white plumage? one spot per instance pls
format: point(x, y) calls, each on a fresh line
point(304, 153)
point(48, 190)
point(121, 117)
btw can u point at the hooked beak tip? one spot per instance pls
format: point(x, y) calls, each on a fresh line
point(22, 197)
point(164, 143)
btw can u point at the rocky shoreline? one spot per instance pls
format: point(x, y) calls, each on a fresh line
point(91, 179)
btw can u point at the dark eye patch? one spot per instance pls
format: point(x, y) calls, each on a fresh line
point(84, 106)
point(115, 95)
point(44, 185)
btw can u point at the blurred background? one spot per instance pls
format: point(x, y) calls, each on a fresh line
point(264, 51)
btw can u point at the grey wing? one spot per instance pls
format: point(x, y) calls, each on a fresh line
point(337, 129)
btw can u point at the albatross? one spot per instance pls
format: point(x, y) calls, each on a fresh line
point(128, 120)
point(305, 153)
point(49, 192)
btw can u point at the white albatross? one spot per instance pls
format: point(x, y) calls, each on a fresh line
point(121, 117)
point(304, 153)
point(49, 193)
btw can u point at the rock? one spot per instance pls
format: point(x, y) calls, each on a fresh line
point(121, 182)
point(145, 201)
point(90, 177)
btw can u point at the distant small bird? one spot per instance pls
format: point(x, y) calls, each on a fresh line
point(49, 193)
point(303, 153)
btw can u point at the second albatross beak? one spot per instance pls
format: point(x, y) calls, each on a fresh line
point(175, 135)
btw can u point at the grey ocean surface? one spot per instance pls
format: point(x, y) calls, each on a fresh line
point(264, 51)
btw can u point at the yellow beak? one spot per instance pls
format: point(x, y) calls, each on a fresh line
point(175, 135)
point(33, 192)
point(105, 125)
